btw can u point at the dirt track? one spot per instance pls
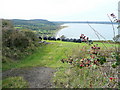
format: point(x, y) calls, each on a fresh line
point(37, 77)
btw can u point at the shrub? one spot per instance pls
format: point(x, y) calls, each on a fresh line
point(17, 43)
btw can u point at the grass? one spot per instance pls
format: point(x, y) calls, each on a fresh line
point(48, 55)
point(79, 78)
point(14, 82)
point(18, 27)
point(51, 53)
point(66, 76)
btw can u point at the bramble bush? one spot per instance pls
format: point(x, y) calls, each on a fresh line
point(93, 58)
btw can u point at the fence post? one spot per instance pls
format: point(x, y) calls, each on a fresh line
point(0, 54)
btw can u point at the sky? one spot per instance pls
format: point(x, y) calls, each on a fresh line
point(59, 10)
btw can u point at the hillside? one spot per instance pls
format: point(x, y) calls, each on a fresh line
point(39, 25)
point(35, 24)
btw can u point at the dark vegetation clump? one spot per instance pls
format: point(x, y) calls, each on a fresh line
point(16, 44)
point(66, 39)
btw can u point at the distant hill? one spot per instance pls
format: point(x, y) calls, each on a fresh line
point(32, 21)
point(34, 24)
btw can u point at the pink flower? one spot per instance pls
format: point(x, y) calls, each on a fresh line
point(93, 47)
point(93, 57)
point(90, 65)
point(111, 78)
point(81, 65)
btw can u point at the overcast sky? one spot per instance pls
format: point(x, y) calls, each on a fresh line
point(58, 10)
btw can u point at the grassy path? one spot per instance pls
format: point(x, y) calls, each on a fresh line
point(49, 55)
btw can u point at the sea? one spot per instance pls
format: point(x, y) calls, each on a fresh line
point(93, 31)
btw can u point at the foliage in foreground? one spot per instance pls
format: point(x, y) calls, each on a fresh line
point(74, 77)
point(88, 71)
point(14, 82)
point(88, 77)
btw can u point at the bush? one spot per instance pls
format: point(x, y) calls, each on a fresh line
point(17, 43)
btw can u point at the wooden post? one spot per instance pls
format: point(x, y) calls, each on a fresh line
point(119, 19)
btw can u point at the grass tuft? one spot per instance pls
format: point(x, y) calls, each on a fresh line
point(14, 82)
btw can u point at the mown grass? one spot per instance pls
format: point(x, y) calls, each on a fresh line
point(49, 55)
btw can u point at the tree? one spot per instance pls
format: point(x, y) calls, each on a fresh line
point(62, 37)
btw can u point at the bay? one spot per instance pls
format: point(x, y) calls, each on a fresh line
point(74, 30)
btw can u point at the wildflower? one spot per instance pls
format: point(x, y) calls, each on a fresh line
point(91, 56)
point(90, 65)
point(118, 21)
point(111, 78)
point(112, 15)
point(95, 61)
point(93, 47)
point(81, 65)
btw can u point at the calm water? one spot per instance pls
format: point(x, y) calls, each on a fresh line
point(74, 30)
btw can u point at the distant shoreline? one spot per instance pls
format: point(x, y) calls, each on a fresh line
point(90, 22)
point(60, 29)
